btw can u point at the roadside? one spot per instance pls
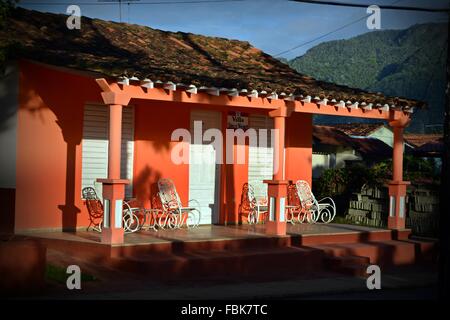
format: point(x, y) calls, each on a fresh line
point(401, 283)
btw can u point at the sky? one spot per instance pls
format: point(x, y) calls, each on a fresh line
point(275, 26)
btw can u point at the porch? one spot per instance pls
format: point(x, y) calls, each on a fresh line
point(117, 96)
point(232, 252)
point(218, 233)
point(213, 238)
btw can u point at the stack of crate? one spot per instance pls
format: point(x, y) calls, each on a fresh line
point(423, 213)
point(370, 206)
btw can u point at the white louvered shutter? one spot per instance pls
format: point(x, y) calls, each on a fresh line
point(95, 147)
point(260, 159)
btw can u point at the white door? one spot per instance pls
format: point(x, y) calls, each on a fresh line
point(204, 173)
point(260, 158)
point(94, 147)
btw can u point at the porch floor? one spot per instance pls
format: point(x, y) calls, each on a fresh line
point(209, 233)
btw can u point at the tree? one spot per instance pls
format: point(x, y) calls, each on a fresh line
point(5, 9)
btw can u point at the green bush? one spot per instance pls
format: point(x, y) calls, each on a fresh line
point(345, 181)
point(341, 183)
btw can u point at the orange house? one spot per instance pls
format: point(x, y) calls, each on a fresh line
point(98, 106)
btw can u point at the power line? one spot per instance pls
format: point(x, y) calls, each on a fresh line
point(320, 37)
point(358, 5)
point(391, 6)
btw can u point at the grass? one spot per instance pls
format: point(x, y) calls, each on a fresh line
point(59, 274)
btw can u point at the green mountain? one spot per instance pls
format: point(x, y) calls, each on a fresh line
point(409, 63)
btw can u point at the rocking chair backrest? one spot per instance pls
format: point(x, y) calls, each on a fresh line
point(168, 194)
point(248, 199)
point(251, 194)
point(93, 202)
point(293, 199)
point(305, 194)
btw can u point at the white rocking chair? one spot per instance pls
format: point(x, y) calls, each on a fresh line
point(96, 212)
point(252, 206)
point(314, 211)
point(173, 210)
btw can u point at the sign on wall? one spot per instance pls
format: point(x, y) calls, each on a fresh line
point(237, 120)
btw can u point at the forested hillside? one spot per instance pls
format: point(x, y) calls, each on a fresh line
point(409, 63)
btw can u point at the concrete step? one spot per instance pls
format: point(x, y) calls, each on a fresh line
point(254, 263)
point(96, 250)
point(383, 253)
point(334, 238)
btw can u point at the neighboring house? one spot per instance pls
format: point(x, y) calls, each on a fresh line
point(332, 148)
point(103, 103)
point(378, 131)
point(428, 146)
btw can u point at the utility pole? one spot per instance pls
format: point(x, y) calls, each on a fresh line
point(128, 2)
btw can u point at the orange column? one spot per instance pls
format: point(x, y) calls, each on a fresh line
point(115, 137)
point(397, 155)
point(397, 187)
point(113, 186)
point(278, 156)
point(277, 187)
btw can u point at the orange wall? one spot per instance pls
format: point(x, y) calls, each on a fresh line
point(49, 133)
point(154, 124)
point(298, 160)
point(50, 124)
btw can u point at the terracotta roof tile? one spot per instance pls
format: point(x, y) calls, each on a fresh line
point(372, 147)
point(419, 140)
point(113, 49)
point(368, 147)
point(358, 129)
point(331, 136)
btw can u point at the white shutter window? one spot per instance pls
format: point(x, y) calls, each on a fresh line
point(260, 159)
point(204, 172)
point(95, 147)
point(320, 163)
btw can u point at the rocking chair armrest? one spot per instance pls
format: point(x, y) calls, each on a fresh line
point(194, 201)
point(169, 203)
point(187, 209)
point(126, 206)
point(327, 199)
point(262, 207)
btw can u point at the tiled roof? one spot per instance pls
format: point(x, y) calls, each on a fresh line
point(432, 148)
point(184, 59)
point(419, 140)
point(372, 147)
point(331, 136)
point(368, 147)
point(358, 129)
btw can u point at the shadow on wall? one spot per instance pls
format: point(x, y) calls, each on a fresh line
point(65, 95)
point(146, 185)
point(8, 137)
point(8, 110)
